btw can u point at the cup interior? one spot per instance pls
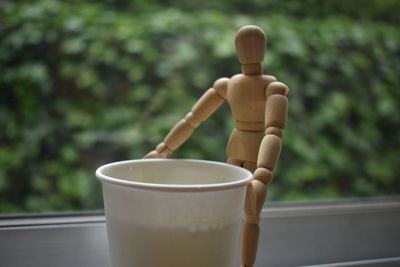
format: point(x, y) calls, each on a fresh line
point(173, 172)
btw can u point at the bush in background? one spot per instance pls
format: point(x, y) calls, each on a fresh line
point(84, 83)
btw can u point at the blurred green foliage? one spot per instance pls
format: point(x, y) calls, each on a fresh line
point(83, 83)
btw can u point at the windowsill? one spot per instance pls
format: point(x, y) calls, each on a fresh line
point(291, 235)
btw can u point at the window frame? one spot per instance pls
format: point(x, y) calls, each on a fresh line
point(360, 233)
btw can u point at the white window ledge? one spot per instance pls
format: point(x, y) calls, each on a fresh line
point(362, 234)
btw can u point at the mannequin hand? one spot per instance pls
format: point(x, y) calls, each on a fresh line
point(162, 151)
point(152, 154)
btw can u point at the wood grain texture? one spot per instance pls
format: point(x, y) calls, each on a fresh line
point(250, 126)
point(260, 193)
point(192, 120)
point(246, 97)
point(178, 134)
point(250, 44)
point(244, 145)
point(274, 130)
point(264, 175)
point(269, 152)
point(207, 104)
point(252, 69)
point(220, 86)
point(277, 88)
point(250, 165)
point(204, 107)
point(236, 162)
point(248, 251)
point(163, 150)
point(254, 201)
point(250, 201)
point(276, 111)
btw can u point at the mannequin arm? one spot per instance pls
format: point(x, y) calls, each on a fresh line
point(211, 100)
point(276, 109)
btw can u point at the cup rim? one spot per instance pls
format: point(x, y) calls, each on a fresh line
point(174, 187)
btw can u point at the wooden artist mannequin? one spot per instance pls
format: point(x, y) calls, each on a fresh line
point(259, 105)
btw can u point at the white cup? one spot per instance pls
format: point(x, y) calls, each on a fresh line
point(173, 213)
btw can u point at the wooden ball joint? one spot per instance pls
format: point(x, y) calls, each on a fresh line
point(259, 106)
